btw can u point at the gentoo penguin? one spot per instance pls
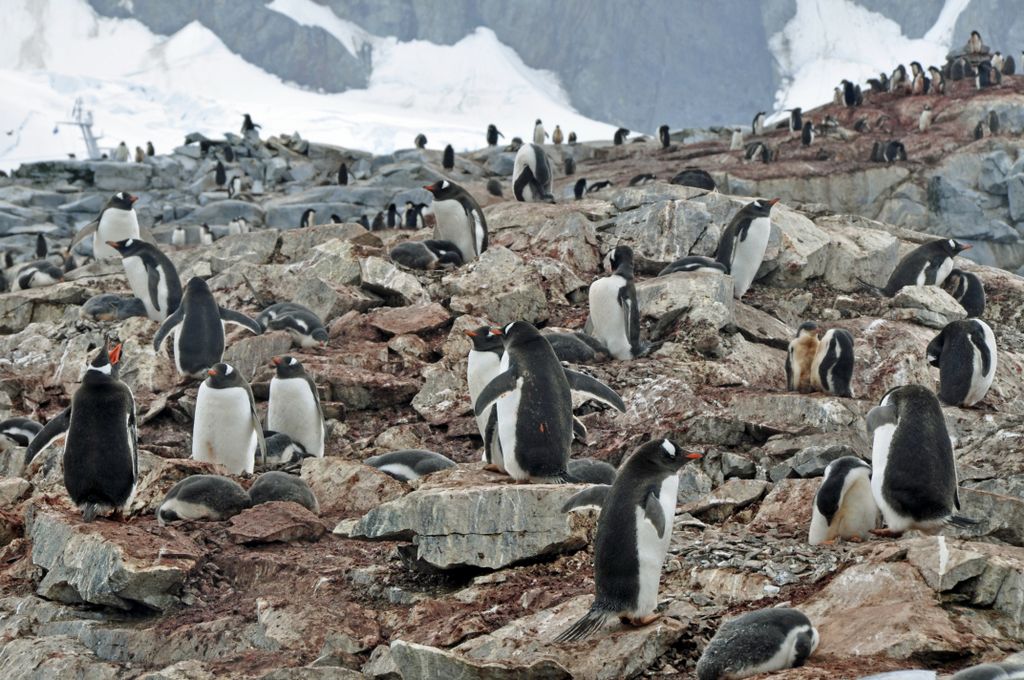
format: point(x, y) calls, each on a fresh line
point(428, 254)
point(281, 486)
point(844, 506)
point(151, 275)
point(664, 136)
point(968, 291)
point(378, 221)
point(974, 44)
point(800, 356)
point(744, 242)
point(576, 347)
point(965, 354)
point(410, 215)
point(121, 153)
point(302, 323)
point(140, 155)
point(807, 134)
point(336, 219)
point(294, 406)
point(925, 120)
point(198, 326)
point(979, 130)
point(757, 126)
point(694, 263)
point(913, 473)
point(758, 642)
point(643, 178)
point(796, 121)
point(38, 274)
point(556, 136)
point(694, 177)
point(364, 221)
point(572, 137)
point(598, 185)
point(238, 226)
point(832, 368)
point(393, 220)
point(614, 312)
point(620, 136)
point(987, 76)
point(492, 135)
point(482, 366)
point(101, 457)
point(927, 265)
point(494, 186)
point(448, 158)
point(248, 125)
point(532, 169)
point(229, 153)
point(421, 141)
point(938, 80)
point(993, 122)
point(736, 143)
point(117, 222)
point(308, 218)
point(532, 398)
point(590, 471)
point(179, 236)
point(226, 429)
point(898, 79)
point(633, 533)
point(342, 175)
point(220, 175)
point(235, 186)
point(579, 188)
point(410, 464)
point(1009, 66)
point(515, 144)
point(991, 671)
point(21, 431)
point(282, 451)
point(851, 94)
point(459, 219)
point(205, 235)
point(150, 151)
point(539, 135)
point(203, 497)
point(877, 153)
point(112, 307)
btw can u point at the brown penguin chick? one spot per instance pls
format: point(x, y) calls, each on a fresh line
point(801, 353)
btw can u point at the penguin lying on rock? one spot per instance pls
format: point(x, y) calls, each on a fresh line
point(758, 642)
point(203, 497)
point(409, 464)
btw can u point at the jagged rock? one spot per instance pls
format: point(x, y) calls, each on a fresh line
point(668, 230)
point(857, 251)
point(462, 518)
point(793, 412)
point(276, 522)
point(809, 462)
point(1015, 196)
point(994, 167)
point(113, 176)
point(444, 395)
point(12, 490)
point(54, 656)
point(734, 495)
point(222, 212)
point(803, 250)
point(335, 261)
point(347, 489)
point(999, 516)
point(298, 244)
point(787, 507)
point(359, 388)
point(252, 352)
point(734, 465)
point(499, 285)
point(419, 318)
point(927, 305)
point(703, 296)
point(183, 670)
point(761, 327)
point(944, 563)
point(563, 232)
point(385, 279)
point(107, 564)
point(38, 305)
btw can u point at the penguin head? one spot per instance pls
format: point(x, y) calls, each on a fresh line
point(287, 367)
point(760, 208)
point(127, 247)
point(486, 340)
point(196, 286)
point(538, 122)
point(320, 335)
point(619, 256)
point(807, 328)
point(223, 375)
point(105, 362)
point(122, 200)
point(443, 190)
point(517, 333)
point(665, 454)
point(953, 247)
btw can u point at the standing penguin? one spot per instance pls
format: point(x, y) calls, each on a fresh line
point(342, 175)
point(614, 312)
point(620, 136)
point(117, 221)
point(121, 153)
point(539, 135)
point(579, 188)
point(198, 326)
point(927, 265)
point(150, 151)
point(393, 220)
point(101, 457)
point(205, 235)
point(800, 356)
point(925, 121)
point(482, 366)
point(832, 368)
point(844, 506)
point(807, 134)
point(968, 291)
point(534, 406)
point(294, 407)
point(448, 158)
point(152, 276)
point(913, 474)
point(758, 642)
point(757, 126)
point(532, 169)
point(492, 135)
point(226, 429)
point(179, 236)
point(993, 122)
point(420, 141)
point(965, 354)
point(556, 136)
point(664, 136)
point(308, 218)
point(796, 121)
point(633, 534)
point(744, 242)
point(570, 165)
point(572, 138)
point(220, 175)
point(459, 219)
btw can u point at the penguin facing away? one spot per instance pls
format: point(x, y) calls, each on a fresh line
point(965, 354)
point(800, 356)
point(421, 141)
point(968, 290)
point(448, 158)
point(807, 134)
point(539, 135)
point(459, 219)
point(844, 506)
point(492, 135)
point(758, 642)
point(614, 312)
point(294, 406)
point(281, 486)
point(302, 323)
point(743, 243)
point(664, 136)
point(226, 429)
point(633, 534)
point(308, 218)
point(151, 275)
point(532, 169)
point(832, 368)
point(203, 497)
point(343, 175)
point(410, 464)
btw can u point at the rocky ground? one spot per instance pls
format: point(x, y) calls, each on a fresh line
point(464, 574)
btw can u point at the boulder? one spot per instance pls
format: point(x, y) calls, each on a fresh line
point(734, 495)
point(927, 305)
point(703, 296)
point(803, 250)
point(347, 489)
point(53, 656)
point(275, 522)
point(387, 280)
point(114, 176)
point(858, 251)
point(501, 286)
point(419, 318)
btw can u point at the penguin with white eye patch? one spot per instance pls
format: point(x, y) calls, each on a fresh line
point(226, 429)
point(294, 407)
point(844, 506)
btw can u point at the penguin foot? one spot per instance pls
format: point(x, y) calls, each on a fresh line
point(855, 539)
point(830, 541)
point(491, 467)
point(886, 533)
point(640, 621)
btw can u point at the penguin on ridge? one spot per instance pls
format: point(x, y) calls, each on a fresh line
point(556, 136)
point(111, 307)
point(572, 138)
point(579, 188)
point(664, 136)
point(925, 121)
point(800, 356)
point(796, 121)
point(448, 158)
point(757, 126)
point(633, 534)
point(151, 275)
point(539, 135)
point(807, 134)
point(121, 153)
point(409, 464)
point(894, 151)
point(614, 312)
point(39, 274)
point(832, 368)
point(302, 323)
point(569, 165)
point(294, 406)
point(743, 243)
point(226, 429)
point(428, 254)
point(765, 640)
point(203, 497)
point(343, 175)
point(620, 136)
point(694, 263)
point(421, 141)
point(117, 222)
point(220, 175)
point(308, 218)
point(965, 354)
point(968, 290)
point(205, 235)
point(378, 221)
point(459, 219)
point(844, 506)
point(179, 236)
point(281, 486)
point(492, 135)
point(532, 169)
point(150, 151)
point(21, 431)
point(393, 220)
point(927, 265)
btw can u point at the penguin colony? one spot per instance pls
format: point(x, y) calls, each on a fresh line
point(521, 392)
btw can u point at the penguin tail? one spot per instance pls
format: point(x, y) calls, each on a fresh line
point(591, 622)
point(566, 478)
point(89, 511)
point(963, 522)
point(873, 288)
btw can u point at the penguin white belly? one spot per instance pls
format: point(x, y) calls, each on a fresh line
point(293, 410)
point(508, 416)
point(223, 431)
point(138, 279)
point(651, 548)
point(115, 225)
point(819, 531)
point(858, 513)
point(399, 470)
point(453, 224)
point(943, 271)
point(607, 316)
point(879, 461)
point(980, 382)
point(785, 657)
point(481, 367)
point(749, 254)
point(186, 510)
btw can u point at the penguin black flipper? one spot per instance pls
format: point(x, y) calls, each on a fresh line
point(57, 426)
point(524, 180)
point(239, 319)
point(631, 317)
point(653, 512)
point(592, 496)
point(579, 430)
point(261, 441)
point(595, 389)
point(879, 416)
point(934, 351)
point(167, 326)
point(489, 435)
point(502, 384)
point(153, 279)
point(87, 230)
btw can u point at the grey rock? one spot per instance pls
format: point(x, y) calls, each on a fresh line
point(927, 305)
point(385, 279)
point(1015, 196)
point(54, 656)
point(668, 230)
point(734, 495)
point(994, 167)
point(113, 176)
point(810, 462)
point(703, 296)
point(858, 252)
point(223, 212)
point(499, 285)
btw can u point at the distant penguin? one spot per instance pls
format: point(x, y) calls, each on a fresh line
point(238, 226)
point(800, 356)
point(913, 472)
point(556, 136)
point(614, 311)
point(664, 136)
point(570, 165)
point(378, 222)
point(736, 142)
point(832, 368)
point(598, 186)
point(151, 275)
point(533, 403)
point(925, 120)
point(927, 265)
point(1009, 66)
point(757, 642)
point(302, 323)
point(448, 158)
point(965, 354)
point(364, 221)
point(877, 154)
point(492, 135)
point(140, 155)
point(308, 218)
point(342, 175)
point(974, 44)
point(150, 151)
point(117, 222)
point(997, 61)
point(807, 135)
point(248, 125)
point(220, 175)
point(427, 254)
point(179, 236)
point(539, 135)
point(757, 126)
point(229, 153)
point(993, 122)
point(590, 471)
point(203, 497)
point(895, 151)
point(234, 186)
point(409, 216)
point(898, 80)
point(21, 431)
point(198, 326)
point(121, 153)
point(392, 220)
point(620, 136)
point(633, 534)
point(743, 243)
point(421, 141)
point(494, 188)
point(281, 486)
point(851, 94)
point(459, 219)
point(336, 219)
point(796, 121)
point(226, 429)
point(938, 80)
point(572, 137)
point(532, 169)
point(101, 456)
point(515, 144)
point(968, 291)
point(979, 130)
point(294, 406)
point(579, 188)
point(694, 177)
point(410, 464)
point(205, 235)
point(987, 76)
point(844, 506)
point(111, 307)
point(643, 178)
point(39, 274)
point(694, 263)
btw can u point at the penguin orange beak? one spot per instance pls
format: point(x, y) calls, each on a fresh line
point(965, 246)
point(497, 331)
point(115, 354)
point(212, 371)
point(132, 199)
point(431, 187)
point(112, 244)
point(773, 202)
point(694, 456)
point(471, 334)
point(276, 361)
